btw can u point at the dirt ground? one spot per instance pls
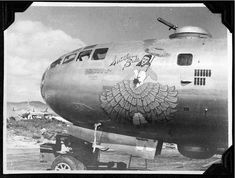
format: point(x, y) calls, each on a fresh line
point(23, 154)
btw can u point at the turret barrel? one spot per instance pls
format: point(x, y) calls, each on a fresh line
point(167, 23)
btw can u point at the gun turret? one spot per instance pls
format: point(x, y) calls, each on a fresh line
point(167, 23)
point(186, 31)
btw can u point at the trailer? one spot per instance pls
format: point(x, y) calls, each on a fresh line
point(71, 153)
point(80, 148)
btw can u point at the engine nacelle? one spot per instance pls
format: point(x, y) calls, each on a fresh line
point(195, 151)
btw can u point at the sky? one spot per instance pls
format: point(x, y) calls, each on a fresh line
point(41, 34)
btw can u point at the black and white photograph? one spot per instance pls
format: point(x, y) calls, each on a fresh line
point(116, 88)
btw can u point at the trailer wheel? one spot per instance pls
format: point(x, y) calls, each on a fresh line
point(66, 162)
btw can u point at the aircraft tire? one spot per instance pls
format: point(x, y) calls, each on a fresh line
point(195, 152)
point(66, 163)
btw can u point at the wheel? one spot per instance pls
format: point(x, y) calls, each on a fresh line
point(66, 162)
point(121, 166)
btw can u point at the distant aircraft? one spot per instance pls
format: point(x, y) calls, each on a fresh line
point(137, 95)
point(30, 113)
point(40, 114)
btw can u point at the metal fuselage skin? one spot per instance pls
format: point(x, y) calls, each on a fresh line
point(73, 90)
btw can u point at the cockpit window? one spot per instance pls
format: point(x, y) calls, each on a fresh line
point(69, 58)
point(84, 55)
point(57, 62)
point(99, 54)
point(185, 59)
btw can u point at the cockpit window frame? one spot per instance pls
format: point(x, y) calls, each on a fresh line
point(83, 51)
point(56, 62)
point(89, 47)
point(95, 56)
point(69, 60)
point(184, 59)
